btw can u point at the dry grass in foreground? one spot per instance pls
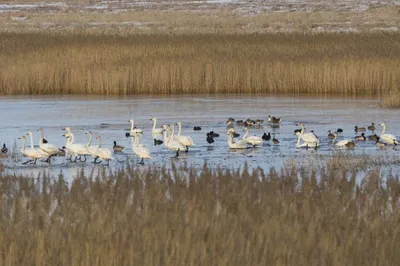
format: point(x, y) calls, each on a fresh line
point(56, 63)
point(186, 217)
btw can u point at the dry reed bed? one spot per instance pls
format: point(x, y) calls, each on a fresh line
point(190, 217)
point(65, 63)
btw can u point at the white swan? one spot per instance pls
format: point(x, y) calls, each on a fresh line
point(31, 152)
point(185, 140)
point(342, 143)
point(253, 140)
point(156, 131)
point(74, 148)
point(170, 143)
point(304, 144)
point(133, 129)
point(388, 138)
point(309, 138)
point(50, 149)
point(140, 150)
point(103, 153)
point(235, 145)
point(91, 150)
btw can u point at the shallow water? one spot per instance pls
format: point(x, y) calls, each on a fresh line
point(22, 114)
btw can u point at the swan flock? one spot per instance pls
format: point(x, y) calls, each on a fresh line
point(178, 142)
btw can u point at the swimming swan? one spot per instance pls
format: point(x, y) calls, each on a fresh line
point(309, 138)
point(388, 138)
point(133, 129)
point(235, 145)
point(343, 143)
point(156, 131)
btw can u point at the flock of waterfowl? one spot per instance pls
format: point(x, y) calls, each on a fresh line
point(178, 142)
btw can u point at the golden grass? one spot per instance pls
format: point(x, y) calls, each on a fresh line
point(391, 99)
point(186, 217)
point(56, 63)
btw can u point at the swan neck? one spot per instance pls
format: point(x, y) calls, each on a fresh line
point(245, 135)
point(131, 125)
point(31, 136)
point(180, 129)
point(41, 137)
point(298, 140)
point(99, 141)
point(383, 129)
point(90, 140)
point(154, 123)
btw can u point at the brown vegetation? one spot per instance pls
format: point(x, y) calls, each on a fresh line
point(61, 63)
point(391, 100)
point(181, 217)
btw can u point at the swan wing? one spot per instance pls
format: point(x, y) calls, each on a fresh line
point(309, 137)
point(342, 143)
point(49, 148)
point(389, 138)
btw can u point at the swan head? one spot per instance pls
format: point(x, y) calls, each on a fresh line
point(98, 137)
point(67, 135)
point(89, 133)
point(245, 129)
point(153, 119)
point(40, 129)
point(29, 133)
point(67, 128)
point(179, 123)
point(23, 137)
point(382, 124)
point(131, 121)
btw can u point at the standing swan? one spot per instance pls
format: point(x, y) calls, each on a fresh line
point(253, 140)
point(103, 153)
point(309, 138)
point(156, 131)
point(92, 150)
point(140, 150)
point(304, 144)
point(50, 149)
point(388, 138)
point(170, 143)
point(185, 140)
point(33, 154)
point(74, 148)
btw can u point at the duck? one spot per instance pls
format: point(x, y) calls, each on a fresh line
point(213, 134)
point(259, 121)
point(4, 149)
point(372, 127)
point(230, 121)
point(342, 143)
point(240, 123)
point(350, 144)
point(117, 148)
point(330, 135)
point(158, 142)
point(379, 143)
point(275, 120)
point(339, 130)
point(275, 140)
point(266, 136)
point(373, 137)
point(359, 129)
point(195, 128)
point(297, 131)
point(209, 138)
point(361, 138)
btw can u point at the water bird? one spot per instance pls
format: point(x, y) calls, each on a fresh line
point(74, 149)
point(209, 138)
point(297, 131)
point(235, 145)
point(253, 140)
point(259, 121)
point(185, 140)
point(32, 153)
point(266, 136)
point(4, 149)
point(330, 135)
point(372, 127)
point(170, 143)
point(379, 143)
point(361, 138)
point(117, 148)
point(309, 138)
point(275, 120)
point(195, 128)
point(103, 153)
point(156, 131)
point(240, 123)
point(158, 142)
point(342, 143)
point(275, 140)
point(373, 137)
point(359, 129)
point(134, 130)
point(213, 134)
point(140, 150)
point(388, 138)
point(305, 144)
point(339, 130)
point(230, 121)
point(50, 149)
point(91, 150)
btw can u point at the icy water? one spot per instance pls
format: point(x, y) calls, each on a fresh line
point(108, 116)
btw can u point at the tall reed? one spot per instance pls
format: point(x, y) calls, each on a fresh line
point(66, 63)
point(207, 217)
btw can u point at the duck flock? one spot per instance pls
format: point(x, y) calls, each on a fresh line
point(181, 143)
